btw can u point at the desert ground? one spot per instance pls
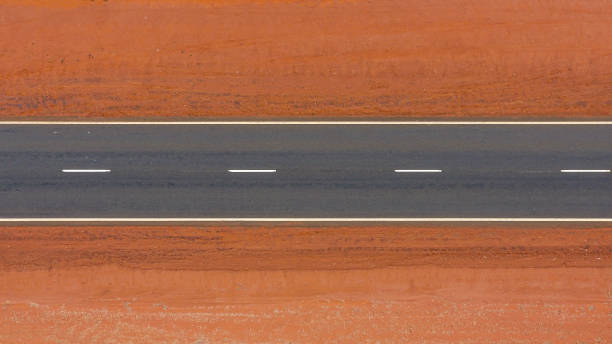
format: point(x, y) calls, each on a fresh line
point(293, 283)
point(254, 59)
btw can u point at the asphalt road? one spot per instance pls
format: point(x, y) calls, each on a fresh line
point(320, 171)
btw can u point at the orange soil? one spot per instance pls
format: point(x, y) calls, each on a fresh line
point(293, 283)
point(271, 59)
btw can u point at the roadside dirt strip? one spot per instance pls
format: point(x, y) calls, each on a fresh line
point(306, 283)
point(300, 59)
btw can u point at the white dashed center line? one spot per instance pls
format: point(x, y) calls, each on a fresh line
point(418, 171)
point(585, 171)
point(252, 171)
point(86, 171)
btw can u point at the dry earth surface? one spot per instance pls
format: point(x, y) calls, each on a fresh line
point(294, 283)
point(286, 59)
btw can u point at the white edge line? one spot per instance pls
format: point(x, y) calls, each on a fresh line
point(306, 123)
point(252, 171)
point(309, 219)
point(85, 171)
point(417, 171)
point(585, 171)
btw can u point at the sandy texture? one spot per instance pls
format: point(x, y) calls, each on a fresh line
point(272, 59)
point(306, 284)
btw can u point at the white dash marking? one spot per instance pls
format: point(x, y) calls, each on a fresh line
point(252, 171)
point(585, 171)
point(86, 171)
point(418, 171)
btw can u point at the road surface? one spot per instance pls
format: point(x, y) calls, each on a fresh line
point(551, 171)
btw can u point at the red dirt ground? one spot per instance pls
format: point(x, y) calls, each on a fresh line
point(306, 284)
point(272, 59)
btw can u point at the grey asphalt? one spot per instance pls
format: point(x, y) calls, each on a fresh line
point(322, 171)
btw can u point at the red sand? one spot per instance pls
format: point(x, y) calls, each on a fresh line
point(272, 59)
point(305, 284)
